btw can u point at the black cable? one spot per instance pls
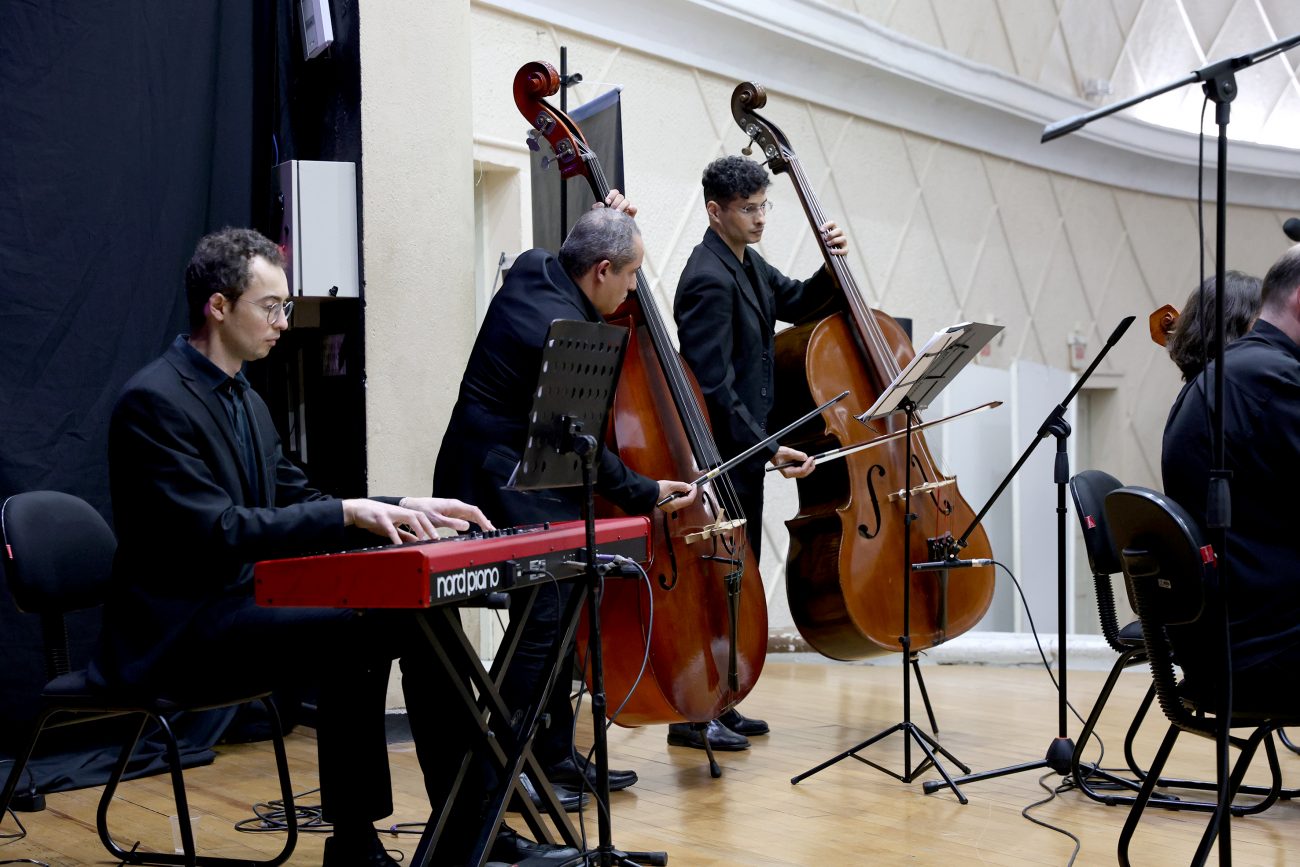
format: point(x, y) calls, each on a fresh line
point(1042, 655)
point(1051, 796)
point(1067, 784)
point(645, 657)
point(586, 785)
point(271, 816)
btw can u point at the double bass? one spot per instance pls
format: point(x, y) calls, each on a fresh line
point(709, 637)
point(845, 566)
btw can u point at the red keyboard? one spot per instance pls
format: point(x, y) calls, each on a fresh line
point(453, 569)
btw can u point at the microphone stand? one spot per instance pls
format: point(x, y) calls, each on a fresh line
point(1219, 82)
point(1061, 748)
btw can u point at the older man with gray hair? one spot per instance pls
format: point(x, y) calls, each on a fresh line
point(593, 274)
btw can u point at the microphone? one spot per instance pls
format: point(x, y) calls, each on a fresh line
point(936, 565)
point(1292, 229)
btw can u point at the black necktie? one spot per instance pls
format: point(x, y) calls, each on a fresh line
point(244, 434)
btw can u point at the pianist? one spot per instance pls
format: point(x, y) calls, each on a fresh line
point(200, 491)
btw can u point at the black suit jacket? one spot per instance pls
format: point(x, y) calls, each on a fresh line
point(1262, 440)
point(726, 330)
point(488, 429)
point(187, 534)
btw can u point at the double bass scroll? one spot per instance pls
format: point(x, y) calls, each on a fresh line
point(710, 612)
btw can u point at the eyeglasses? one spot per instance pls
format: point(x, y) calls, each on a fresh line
point(273, 309)
point(755, 210)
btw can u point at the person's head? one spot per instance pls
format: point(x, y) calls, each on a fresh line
point(735, 196)
point(602, 254)
point(1281, 293)
point(237, 292)
point(1192, 343)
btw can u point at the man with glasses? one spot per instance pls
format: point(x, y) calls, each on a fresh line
point(728, 302)
point(201, 490)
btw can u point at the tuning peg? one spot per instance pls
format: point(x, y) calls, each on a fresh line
point(748, 149)
point(532, 140)
point(546, 162)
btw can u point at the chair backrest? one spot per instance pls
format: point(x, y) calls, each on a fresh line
point(58, 552)
point(1088, 489)
point(1172, 573)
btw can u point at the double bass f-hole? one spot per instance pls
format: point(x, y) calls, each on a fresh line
point(863, 530)
point(664, 582)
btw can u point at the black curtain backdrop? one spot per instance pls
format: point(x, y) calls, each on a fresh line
point(128, 129)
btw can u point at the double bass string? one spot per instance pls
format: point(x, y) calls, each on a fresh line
point(868, 330)
point(702, 443)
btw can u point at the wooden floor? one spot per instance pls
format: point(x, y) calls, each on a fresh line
point(849, 814)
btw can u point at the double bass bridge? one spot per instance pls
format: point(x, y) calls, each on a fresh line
point(923, 488)
point(712, 531)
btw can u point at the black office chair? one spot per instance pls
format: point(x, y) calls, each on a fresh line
point(1088, 489)
point(58, 559)
point(1164, 558)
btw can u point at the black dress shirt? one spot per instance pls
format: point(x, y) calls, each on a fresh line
point(1262, 441)
point(231, 390)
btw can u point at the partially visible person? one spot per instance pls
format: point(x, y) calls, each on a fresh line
point(201, 490)
point(1192, 343)
point(1262, 441)
point(728, 302)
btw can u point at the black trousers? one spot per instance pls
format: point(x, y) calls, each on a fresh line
point(541, 629)
point(747, 481)
point(348, 654)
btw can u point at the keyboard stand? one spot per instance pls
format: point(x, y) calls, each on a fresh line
point(507, 752)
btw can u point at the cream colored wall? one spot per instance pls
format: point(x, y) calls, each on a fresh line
point(1110, 50)
point(418, 237)
point(940, 232)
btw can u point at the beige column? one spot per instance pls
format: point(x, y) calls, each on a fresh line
point(418, 230)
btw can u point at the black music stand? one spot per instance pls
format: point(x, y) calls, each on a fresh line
point(575, 392)
point(1060, 750)
point(928, 373)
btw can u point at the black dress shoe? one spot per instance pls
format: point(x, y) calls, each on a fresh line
point(571, 800)
point(368, 852)
point(743, 725)
point(720, 737)
point(566, 774)
point(511, 848)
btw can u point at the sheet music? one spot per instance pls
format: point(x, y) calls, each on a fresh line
point(933, 367)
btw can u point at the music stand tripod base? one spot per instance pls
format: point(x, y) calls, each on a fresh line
point(913, 389)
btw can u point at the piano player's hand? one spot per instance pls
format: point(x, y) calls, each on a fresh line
point(399, 524)
point(448, 513)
